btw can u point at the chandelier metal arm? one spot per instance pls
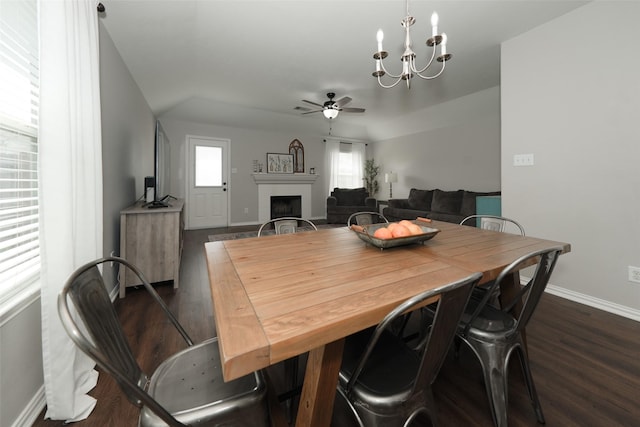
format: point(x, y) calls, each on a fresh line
point(387, 72)
point(435, 75)
point(398, 80)
point(433, 55)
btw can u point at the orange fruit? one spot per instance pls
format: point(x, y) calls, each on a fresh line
point(400, 231)
point(415, 229)
point(382, 233)
point(406, 223)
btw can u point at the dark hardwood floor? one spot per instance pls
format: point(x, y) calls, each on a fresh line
point(585, 362)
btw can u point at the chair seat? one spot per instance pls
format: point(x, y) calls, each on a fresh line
point(190, 386)
point(490, 320)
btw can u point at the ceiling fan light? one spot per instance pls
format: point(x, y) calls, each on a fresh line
point(330, 113)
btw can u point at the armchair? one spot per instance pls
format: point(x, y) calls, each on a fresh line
point(343, 202)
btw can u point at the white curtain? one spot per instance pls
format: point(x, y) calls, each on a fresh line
point(70, 188)
point(332, 164)
point(344, 171)
point(358, 156)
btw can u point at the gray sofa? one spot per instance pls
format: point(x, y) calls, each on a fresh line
point(449, 206)
point(345, 201)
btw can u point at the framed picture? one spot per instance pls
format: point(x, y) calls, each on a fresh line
point(279, 163)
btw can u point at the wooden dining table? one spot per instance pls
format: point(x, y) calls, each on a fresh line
point(276, 297)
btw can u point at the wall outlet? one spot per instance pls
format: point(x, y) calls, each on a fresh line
point(246, 210)
point(634, 274)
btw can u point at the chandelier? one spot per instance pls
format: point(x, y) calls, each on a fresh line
point(408, 58)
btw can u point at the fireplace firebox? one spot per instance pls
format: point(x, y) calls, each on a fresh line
point(286, 206)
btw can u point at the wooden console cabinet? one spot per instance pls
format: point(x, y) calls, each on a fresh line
point(151, 239)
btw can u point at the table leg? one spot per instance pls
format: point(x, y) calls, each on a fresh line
point(319, 388)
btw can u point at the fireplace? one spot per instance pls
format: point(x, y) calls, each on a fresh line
point(283, 184)
point(286, 206)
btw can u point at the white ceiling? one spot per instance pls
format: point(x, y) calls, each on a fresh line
point(249, 63)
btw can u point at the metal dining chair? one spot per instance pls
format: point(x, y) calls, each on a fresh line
point(383, 381)
point(366, 218)
point(494, 222)
point(186, 389)
point(286, 225)
point(493, 334)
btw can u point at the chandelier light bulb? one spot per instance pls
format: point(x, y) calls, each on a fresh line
point(379, 38)
point(443, 46)
point(434, 24)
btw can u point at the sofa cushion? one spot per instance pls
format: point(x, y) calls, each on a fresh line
point(350, 196)
point(420, 199)
point(447, 201)
point(447, 217)
point(397, 214)
point(399, 203)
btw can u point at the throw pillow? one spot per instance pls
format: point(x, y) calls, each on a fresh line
point(420, 199)
point(447, 201)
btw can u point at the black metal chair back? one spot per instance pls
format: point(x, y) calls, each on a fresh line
point(102, 338)
point(286, 225)
point(366, 218)
point(388, 383)
point(494, 333)
point(494, 222)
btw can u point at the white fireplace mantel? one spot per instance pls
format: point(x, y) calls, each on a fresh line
point(280, 184)
point(284, 178)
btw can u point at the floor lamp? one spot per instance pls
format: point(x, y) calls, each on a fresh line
point(391, 177)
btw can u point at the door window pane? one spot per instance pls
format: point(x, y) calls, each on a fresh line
point(208, 166)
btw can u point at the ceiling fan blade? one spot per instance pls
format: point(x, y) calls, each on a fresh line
point(343, 101)
point(352, 110)
point(313, 111)
point(313, 103)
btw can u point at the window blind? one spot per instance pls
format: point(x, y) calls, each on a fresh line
point(19, 100)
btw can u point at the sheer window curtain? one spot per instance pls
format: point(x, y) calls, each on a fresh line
point(358, 156)
point(332, 162)
point(334, 166)
point(70, 188)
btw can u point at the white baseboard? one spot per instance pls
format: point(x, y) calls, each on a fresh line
point(598, 303)
point(242, 224)
point(30, 413)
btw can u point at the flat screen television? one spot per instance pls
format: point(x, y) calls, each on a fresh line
point(162, 168)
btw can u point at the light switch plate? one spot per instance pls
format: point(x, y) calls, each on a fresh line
point(523, 160)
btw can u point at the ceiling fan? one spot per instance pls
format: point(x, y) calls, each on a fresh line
point(331, 108)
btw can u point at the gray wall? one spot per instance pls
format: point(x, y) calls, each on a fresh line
point(21, 378)
point(128, 131)
point(246, 145)
point(572, 99)
point(459, 148)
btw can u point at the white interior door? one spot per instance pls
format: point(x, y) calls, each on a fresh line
point(207, 177)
